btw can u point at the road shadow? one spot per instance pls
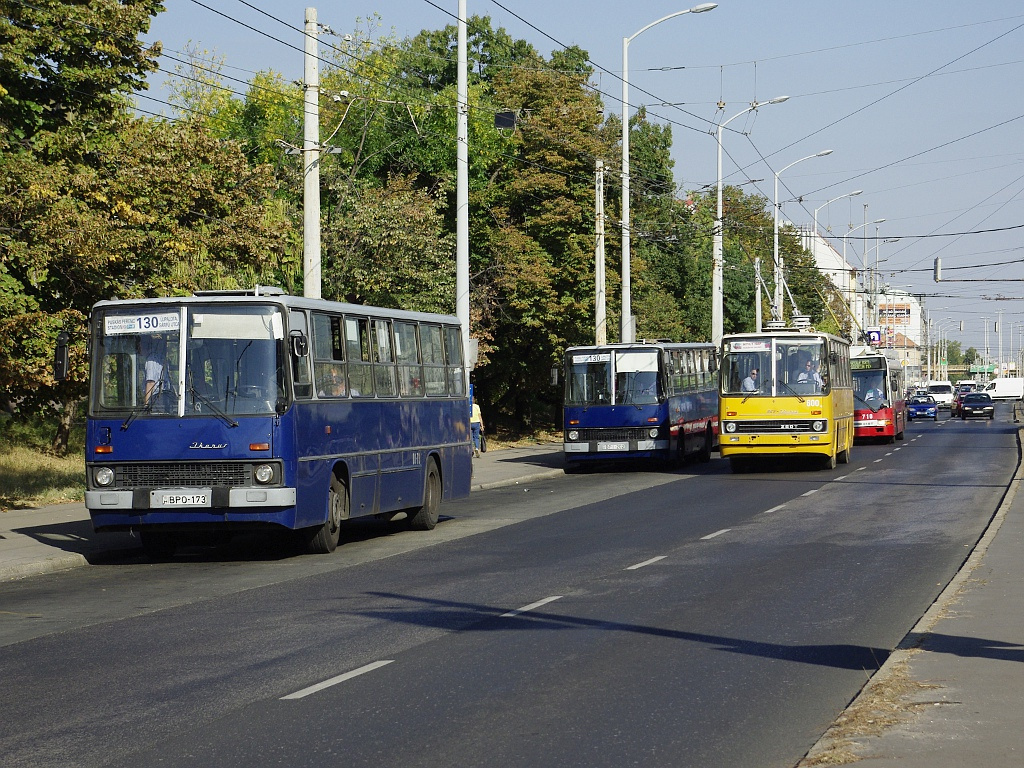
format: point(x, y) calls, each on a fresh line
point(471, 617)
point(966, 647)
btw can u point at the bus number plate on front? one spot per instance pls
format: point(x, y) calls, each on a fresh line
point(182, 500)
point(613, 446)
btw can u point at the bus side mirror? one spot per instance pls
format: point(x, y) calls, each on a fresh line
point(300, 345)
point(60, 357)
point(833, 357)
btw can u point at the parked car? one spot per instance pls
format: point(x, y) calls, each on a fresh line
point(977, 404)
point(922, 407)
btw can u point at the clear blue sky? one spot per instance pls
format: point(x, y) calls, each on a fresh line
point(916, 100)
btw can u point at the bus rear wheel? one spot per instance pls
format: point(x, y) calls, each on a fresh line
point(426, 517)
point(705, 451)
point(325, 538)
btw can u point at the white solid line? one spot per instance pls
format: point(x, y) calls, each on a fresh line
point(716, 533)
point(812, 491)
point(339, 679)
point(775, 509)
point(646, 562)
point(531, 606)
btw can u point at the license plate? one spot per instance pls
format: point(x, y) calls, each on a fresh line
point(613, 446)
point(184, 500)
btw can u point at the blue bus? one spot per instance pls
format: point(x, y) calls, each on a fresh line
point(230, 411)
point(649, 400)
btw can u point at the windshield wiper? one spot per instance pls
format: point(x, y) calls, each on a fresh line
point(135, 413)
point(791, 390)
point(197, 395)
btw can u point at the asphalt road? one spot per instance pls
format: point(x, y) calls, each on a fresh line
point(650, 618)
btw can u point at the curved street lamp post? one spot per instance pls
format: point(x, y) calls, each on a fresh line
point(626, 330)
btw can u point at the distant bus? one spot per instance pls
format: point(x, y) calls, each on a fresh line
point(224, 412)
point(879, 396)
point(785, 393)
point(650, 400)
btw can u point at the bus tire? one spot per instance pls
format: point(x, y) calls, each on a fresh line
point(325, 538)
point(829, 462)
point(158, 545)
point(843, 457)
point(705, 452)
point(425, 518)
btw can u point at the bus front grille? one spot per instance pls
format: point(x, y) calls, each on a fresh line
point(770, 426)
point(614, 434)
point(183, 475)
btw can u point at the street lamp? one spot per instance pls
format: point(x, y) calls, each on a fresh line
point(829, 202)
point(625, 323)
point(717, 295)
point(777, 309)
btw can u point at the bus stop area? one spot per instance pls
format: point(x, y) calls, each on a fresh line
point(964, 660)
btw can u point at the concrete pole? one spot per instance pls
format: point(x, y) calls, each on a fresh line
point(311, 162)
point(600, 309)
point(462, 185)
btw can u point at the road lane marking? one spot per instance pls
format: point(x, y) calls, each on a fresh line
point(339, 679)
point(889, 453)
point(810, 492)
point(716, 533)
point(531, 606)
point(646, 562)
point(860, 469)
point(774, 509)
point(841, 477)
point(877, 460)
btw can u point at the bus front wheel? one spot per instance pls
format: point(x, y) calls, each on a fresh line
point(325, 537)
point(426, 517)
point(829, 462)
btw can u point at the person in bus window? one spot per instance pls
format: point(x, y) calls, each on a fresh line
point(810, 374)
point(749, 384)
point(158, 380)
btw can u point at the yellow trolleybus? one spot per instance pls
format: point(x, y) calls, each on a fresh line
point(785, 393)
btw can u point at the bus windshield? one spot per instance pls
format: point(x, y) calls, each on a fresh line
point(619, 377)
point(233, 361)
point(774, 367)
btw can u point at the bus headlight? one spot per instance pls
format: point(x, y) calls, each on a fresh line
point(730, 426)
point(653, 432)
point(103, 476)
point(818, 426)
point(264, 473)
point(573, 435)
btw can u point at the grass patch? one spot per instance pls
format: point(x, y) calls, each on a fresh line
point(31, 478)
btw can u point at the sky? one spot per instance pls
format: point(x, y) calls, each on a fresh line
point(918, 101)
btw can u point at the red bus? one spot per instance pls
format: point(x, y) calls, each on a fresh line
point(879, 404)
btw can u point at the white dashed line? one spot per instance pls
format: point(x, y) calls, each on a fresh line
point(339, 679)
point(877, 460)
point(810, 492)
point(716, 533)
point(774, 509)
point(860, 469)
point(531, 606)
point(646, 562)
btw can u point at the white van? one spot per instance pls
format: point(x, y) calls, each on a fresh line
point(943, 392)
point(1006, 388)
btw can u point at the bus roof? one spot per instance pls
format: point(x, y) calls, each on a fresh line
point(786, 333)
point(264, 295)
point(644, 345)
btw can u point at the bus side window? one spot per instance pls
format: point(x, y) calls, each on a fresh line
point(407, 353)
point(328, 356)
point(300, 365)
point(453, 348)
point(434, 375)
point(358, 354)
point(384, 374)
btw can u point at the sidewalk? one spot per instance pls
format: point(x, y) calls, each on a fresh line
point(58, 537)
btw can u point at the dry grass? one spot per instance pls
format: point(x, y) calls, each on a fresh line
point(504, 439)
point(31, 478)
point(888, 700)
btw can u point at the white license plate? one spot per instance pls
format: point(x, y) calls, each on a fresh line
point(613, 446)
point(184, 500)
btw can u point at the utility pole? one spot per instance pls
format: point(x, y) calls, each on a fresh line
point(600, 310)
point(311, 162)
point(462, 186)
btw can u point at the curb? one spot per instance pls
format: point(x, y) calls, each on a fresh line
point(548, 473)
